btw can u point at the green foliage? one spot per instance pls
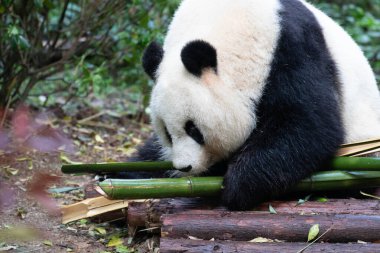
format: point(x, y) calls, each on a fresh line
point(361, 19)
point(75, 47)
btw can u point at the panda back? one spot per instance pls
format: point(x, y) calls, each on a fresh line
point(360, 99)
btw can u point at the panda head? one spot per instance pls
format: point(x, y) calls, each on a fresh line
point(196, 111)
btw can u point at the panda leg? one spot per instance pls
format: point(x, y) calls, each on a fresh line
point(267, 166)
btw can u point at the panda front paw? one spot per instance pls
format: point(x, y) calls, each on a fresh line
point(238, 193)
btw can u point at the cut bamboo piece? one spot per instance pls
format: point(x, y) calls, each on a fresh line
point(168, 245)
point(244, 226)
point(359, 148)
point(148, 213)
point(90, 208)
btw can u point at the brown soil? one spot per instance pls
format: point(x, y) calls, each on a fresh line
point(29, 219)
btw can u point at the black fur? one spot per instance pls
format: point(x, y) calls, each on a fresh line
point(299, 125)
point(197, 56)
point(152, 58)
point(193, 131)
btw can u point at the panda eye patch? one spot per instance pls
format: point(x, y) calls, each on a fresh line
point(193, 131)
point(168, 135)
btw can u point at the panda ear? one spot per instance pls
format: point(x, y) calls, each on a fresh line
point(198, 55)
point(152, 58)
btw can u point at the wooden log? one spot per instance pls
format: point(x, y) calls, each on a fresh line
point(245, 226)
point(168, 245)
point(147, 214)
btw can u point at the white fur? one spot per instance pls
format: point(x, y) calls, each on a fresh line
point(245, 34)
point(361, 98)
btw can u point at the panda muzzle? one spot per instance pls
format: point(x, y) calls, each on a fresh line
point(186, 169)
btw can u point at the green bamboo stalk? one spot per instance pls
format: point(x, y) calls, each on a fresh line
point(356, 163)
point(211, 186)
point(160, 188)
point(339, 163)
point(100, 168)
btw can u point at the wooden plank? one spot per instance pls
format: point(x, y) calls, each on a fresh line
point(168, 245)
point(244, 226)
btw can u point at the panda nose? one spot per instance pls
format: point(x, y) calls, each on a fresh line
point(186, 169)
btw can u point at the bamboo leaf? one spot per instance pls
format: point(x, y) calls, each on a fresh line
point(313, 232)
point(322, 199)
point(272, 210)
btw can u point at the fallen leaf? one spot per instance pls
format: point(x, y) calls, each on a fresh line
point(98, 138)
point(67, 160)
point(313, 232)
point(101, 230)
point(193, 238)
point(47, 243)
point(322, 199)
point(303, 201)
point(7, 248)
point(123, 249)
point(30, 165)
point(272, 210)
point(21, 212)
point(63, 189)
point(11, 171)
point(261, 240)
point(115, 241)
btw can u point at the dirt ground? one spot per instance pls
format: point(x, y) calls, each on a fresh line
point(34, 145)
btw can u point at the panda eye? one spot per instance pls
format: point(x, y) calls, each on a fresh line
point(168, 135)
point(193, 131)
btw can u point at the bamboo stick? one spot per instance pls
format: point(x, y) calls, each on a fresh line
point(211, 186)
point(160, 188)
point(339, 163)
point(99, 168)
point(356, 163)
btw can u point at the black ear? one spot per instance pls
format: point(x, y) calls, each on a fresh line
point(198, 55)
point(152, 58)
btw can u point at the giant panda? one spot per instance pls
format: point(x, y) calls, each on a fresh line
point(262, 92)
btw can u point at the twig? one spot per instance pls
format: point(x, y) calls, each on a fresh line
point(82, 121)
point(319, 237)
point(5, 112)
point(60, 24)
point(94, 124)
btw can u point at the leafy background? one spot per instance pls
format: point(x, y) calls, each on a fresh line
point(55, 52)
